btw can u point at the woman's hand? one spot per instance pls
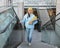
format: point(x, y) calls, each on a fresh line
point(30, 22)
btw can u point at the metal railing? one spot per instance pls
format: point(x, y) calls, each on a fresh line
point(45, 25)
point(2, 31)
point(52, 36)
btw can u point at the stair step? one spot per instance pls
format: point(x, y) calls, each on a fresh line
point(36, 45)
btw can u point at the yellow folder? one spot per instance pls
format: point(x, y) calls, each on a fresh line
point(34, 18)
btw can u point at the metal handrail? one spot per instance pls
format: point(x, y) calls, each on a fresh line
point(16, 15)
point(50, 20)
point(57, 30)
point(2, 31)
point(3, 20)
point(57, 24)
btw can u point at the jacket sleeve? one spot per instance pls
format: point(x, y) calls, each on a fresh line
point(35, 22)
point(23, 20)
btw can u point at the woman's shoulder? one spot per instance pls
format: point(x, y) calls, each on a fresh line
point(26, 15)
point(32, 15)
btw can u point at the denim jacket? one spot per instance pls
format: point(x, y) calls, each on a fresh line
point(26, 20)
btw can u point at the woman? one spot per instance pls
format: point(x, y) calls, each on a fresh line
point(30, 20)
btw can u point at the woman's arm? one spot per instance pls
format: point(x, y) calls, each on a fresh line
point(35, 22)
point(33, 19)
point(23, 20)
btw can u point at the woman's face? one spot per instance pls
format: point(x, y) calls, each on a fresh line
point(30, 11)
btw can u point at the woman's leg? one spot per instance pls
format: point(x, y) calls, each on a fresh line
point(27, 30)
point(30, 35)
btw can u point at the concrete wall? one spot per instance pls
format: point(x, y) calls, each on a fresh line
point(2, 2)
point(43, 16)
point(57, 25)
point(20, 8)
point(57, 11)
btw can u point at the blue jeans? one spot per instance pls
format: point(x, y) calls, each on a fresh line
point(29, 34)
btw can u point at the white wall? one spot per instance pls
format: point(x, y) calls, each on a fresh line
point(2, 2)
point(20, 8)
point(57, 11)
point(39, 2)
point(44, 16)
point(17, 1)
point(58, 6)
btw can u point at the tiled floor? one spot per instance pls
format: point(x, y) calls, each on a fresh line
point(36, 42)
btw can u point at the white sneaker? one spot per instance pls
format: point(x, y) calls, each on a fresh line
point(29, 44)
